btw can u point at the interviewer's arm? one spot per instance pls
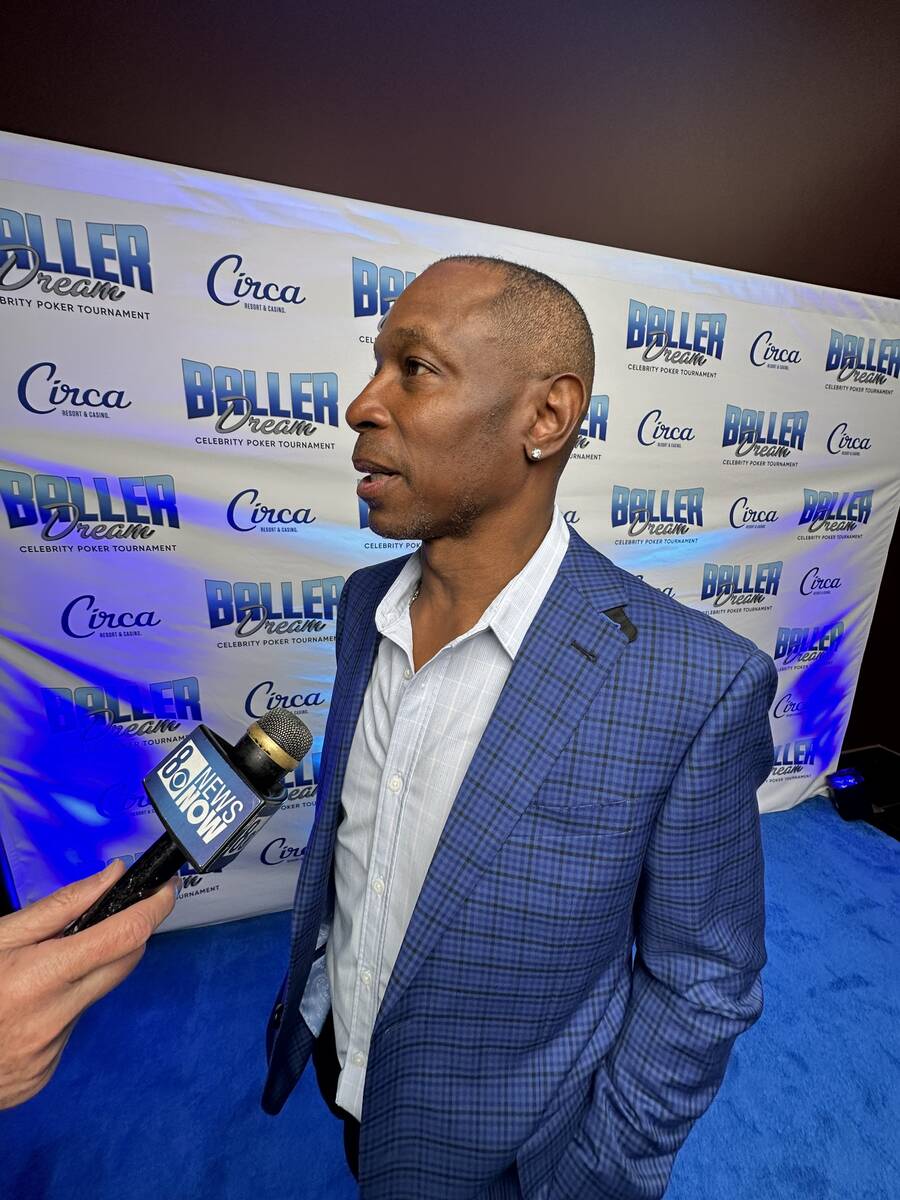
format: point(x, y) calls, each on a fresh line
point(700, 949)
point(47, 982)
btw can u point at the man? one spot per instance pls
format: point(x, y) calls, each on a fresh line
point(533, 763)
point(47, 982)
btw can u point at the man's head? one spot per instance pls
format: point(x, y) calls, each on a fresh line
point(479, 362)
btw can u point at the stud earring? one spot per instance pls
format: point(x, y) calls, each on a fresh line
point(536, 453)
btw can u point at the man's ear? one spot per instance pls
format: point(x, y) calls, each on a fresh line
point(559, 412)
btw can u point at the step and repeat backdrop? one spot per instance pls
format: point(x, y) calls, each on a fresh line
point(178, 503)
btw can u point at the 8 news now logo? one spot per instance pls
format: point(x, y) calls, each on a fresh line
point(199, 791)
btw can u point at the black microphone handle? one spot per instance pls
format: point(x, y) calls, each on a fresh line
point(152, 869)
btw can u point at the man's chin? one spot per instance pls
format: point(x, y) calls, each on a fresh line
point(422, 524)
point(394, 529)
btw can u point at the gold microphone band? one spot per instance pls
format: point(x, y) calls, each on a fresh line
point(271, 748)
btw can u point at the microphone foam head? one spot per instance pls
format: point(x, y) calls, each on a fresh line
point(287, 731)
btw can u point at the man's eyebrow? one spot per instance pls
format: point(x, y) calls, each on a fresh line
point(404, 334)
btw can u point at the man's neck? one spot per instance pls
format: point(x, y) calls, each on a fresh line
point(461, 576)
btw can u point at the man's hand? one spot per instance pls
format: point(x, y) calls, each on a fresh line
point(47, 982)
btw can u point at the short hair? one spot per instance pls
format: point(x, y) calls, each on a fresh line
point(544, 324)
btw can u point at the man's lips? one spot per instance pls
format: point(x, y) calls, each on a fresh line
point(369, 466)
point(376, 479)
point(373, 487)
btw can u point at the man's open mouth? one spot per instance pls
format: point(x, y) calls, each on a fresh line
point(372, 469)
point(375, 479)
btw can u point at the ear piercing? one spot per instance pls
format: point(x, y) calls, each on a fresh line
point(536, 453)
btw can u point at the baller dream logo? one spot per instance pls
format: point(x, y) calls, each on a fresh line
point(828, 513)
point(794, 758)
point(760, 435)
point(859, 361)
point(741, 584)
point(281, 413)
point(126, 509)
point(254, 608)
point(673, 344)
point(70, 263)
point(593, 429)
point(146, 710)
point(798, 646)
point(376, 288)
point(648, 513)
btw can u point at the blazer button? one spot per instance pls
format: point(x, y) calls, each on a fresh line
point(277, 1014)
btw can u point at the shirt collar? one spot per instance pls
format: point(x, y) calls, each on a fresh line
point(510, 612)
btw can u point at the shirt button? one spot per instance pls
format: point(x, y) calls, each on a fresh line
point(407, 674)
point(378, 885)
point(358, 1059)
point(366, 977)
point(395, 783)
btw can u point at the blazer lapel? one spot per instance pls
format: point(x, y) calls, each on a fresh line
point(520, 743)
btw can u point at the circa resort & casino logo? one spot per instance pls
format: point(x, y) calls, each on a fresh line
point(42, 390)
point(247, 513)
point(228, 284)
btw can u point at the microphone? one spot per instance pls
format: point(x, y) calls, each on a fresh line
point(212, 798)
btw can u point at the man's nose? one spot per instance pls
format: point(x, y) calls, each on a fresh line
point(368, 410)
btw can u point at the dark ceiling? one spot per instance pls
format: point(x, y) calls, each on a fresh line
point(760, 136)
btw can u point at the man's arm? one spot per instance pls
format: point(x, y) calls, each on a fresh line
point(700, 922)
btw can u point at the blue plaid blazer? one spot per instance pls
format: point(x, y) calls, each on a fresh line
point(588, 940)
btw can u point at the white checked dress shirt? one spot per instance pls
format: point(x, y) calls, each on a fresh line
point(414, 740)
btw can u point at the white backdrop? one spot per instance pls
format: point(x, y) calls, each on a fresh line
point(740, 454)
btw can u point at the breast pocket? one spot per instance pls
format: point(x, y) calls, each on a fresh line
point(552, 820)
point(581, 797)
point(599, 782)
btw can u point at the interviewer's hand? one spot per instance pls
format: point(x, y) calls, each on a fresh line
point(46, 982)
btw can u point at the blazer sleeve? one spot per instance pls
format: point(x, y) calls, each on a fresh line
point(699, 933)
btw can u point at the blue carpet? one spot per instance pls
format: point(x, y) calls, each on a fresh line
point(157, 1094)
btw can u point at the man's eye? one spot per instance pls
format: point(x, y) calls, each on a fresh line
point(411, 368)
